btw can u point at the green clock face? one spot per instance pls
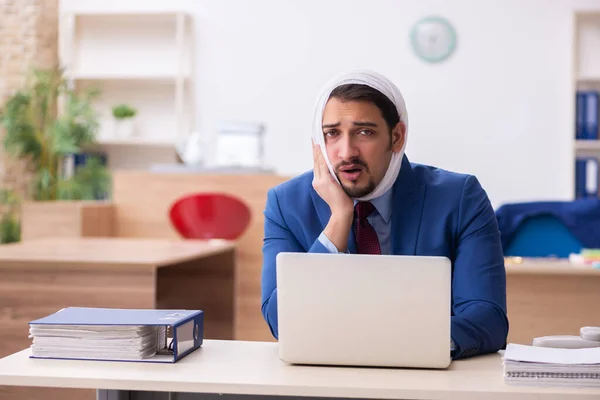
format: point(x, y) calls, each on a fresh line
point(433, 39)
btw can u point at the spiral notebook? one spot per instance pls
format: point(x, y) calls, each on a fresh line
point(546, 366)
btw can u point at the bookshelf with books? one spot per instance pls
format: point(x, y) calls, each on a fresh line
point(140, 59)
point(586, 67)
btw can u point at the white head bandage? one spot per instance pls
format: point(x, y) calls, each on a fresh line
point(385, 86)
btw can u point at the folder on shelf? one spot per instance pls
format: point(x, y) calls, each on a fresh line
point(111, 334)
point(580, 115)
point(587, 177)
point(591, 115)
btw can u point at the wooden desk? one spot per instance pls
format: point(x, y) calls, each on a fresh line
point(232, 368)
point(547, 297)
point(39, 277)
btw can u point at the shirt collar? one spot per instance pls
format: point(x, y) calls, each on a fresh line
point(383, 205)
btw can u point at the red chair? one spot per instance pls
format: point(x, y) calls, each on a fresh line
point(210, 216)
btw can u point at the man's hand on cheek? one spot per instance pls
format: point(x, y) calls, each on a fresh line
point(340, 204)
point(325, 185)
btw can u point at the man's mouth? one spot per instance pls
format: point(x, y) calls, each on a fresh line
point(351, 172)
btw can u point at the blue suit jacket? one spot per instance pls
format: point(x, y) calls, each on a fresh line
point(435, 213)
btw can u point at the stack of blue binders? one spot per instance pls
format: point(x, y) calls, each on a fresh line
point(586, 168)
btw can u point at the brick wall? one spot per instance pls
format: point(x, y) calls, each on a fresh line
point(28, 38)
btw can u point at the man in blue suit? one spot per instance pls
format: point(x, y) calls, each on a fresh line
point(364, 196)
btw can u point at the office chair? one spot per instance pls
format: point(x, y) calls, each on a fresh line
point(543, 236)
point(549, 228)
point(210, 216)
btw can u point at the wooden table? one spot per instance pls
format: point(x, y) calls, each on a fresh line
point(39, 277)
point(253, 370)
point(550, 297)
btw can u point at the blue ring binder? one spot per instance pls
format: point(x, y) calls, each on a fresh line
point(79, 333)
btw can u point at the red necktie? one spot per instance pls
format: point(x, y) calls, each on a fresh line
point(366, 237)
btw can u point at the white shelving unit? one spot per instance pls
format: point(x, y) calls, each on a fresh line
point(586, 76)
point(141, 59)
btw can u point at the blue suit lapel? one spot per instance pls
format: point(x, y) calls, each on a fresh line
point(324, 213)
point(407, 199)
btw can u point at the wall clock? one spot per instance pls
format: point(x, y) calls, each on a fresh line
point(433, 39)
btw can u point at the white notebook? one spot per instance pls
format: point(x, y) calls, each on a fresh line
point(552, 366)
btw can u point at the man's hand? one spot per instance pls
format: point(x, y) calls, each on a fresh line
point(340, 204)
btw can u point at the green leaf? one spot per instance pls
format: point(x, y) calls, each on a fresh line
point(63, 142)
point(20, 139)
point(68, 189)
point(10, 229)
point(93, 179)
point(9, 197)
point(89, 182)
point(43, 184)
point(123, 111)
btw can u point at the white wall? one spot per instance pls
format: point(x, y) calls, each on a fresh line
point(500, 108)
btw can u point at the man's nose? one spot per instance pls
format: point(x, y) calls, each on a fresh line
point(347, 148)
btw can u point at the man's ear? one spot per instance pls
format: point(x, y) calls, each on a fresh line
point(398, 136)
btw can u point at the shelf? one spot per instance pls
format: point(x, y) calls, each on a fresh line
point(588, 79)
point(118, 76)
point(587, 14)
point(587, 39)
point(143, 59)
point(137, 157)
point(135, 142)
point(128, 14)
point(156, 122)
point(127, 46)
point(587, 145)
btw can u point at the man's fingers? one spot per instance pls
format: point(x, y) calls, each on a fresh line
point(317, 166)
point(320, 166)
point(322, 163)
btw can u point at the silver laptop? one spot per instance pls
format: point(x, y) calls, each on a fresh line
point(364, 310)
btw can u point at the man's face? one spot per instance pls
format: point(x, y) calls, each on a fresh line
point(359, 144)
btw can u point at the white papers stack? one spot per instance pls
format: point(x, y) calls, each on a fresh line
point(551, 366)
point(96, 342)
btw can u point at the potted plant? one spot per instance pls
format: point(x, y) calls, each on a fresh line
point(44, 138)
point(124, 120)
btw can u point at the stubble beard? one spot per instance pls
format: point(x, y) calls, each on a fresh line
point(357, 192)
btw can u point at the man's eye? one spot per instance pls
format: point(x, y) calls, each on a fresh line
point(366, 132)
point(330, 133)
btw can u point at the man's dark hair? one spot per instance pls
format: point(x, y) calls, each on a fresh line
point(358, 92)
